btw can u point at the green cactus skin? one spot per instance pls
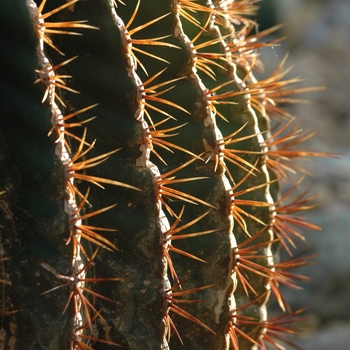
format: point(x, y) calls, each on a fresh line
point(139, 206)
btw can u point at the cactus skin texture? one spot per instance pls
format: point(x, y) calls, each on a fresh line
point(140, 201)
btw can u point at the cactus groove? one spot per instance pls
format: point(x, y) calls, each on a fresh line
point(139, 187)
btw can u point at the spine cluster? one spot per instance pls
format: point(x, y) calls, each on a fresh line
point(163, 218)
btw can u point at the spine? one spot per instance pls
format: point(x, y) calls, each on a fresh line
point(140, 203)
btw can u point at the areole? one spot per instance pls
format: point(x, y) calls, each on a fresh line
point(140, 203)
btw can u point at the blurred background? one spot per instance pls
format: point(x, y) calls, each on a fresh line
point(318, 42)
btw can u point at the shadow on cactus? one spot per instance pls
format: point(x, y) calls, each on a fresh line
point(140, 203)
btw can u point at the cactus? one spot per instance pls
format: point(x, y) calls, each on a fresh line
point(140, 203)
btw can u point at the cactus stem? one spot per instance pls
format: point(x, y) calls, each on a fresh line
point(94, 339)
point(202, 64)
point(73, 167)
point(172, 235)
point(275, 330)
point(168, 192)
point(152, 41)
point(174, 112)
point(154, 137)
point(243, 257)
point(54, 80)
point(62, 122)
point(236, 320)
point(169, 297)
point(76, 286)
point(184, 8)
point(43, 27)
point(191, 6)
point(90, 235)
point(150, 94)
point(233, 330)
point(230, 154)
point(237, 212)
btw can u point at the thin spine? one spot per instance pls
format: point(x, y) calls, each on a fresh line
point(77, 278)
point(161, 180)
point(208, 120)
point(265, 104)
point(231, 72)
point(144, 159)
point(57, 120)
point(146, 146)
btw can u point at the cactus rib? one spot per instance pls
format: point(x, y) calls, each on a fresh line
point(111, 234)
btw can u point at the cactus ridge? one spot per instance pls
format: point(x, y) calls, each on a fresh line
point(155, 219)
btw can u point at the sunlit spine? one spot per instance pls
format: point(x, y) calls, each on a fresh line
point(177, 135)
